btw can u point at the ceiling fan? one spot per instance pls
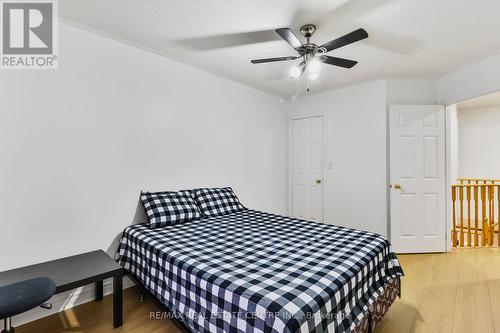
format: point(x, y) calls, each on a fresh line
point(313, 55)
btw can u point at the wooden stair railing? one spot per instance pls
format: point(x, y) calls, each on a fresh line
point(480, 198)
point(478, 181)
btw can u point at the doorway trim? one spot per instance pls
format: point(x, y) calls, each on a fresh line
point(449, 171)
point(324, 180)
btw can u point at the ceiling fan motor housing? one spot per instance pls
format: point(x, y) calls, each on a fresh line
point(308, 48)
point(308, 30)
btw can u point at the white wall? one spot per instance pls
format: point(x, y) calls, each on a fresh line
point(411, 91)
point(355, 129)
point(474, 80)
point(78, 144)
point(479, 133)
point(453, 146)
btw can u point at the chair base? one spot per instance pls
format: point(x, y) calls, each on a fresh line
point(7, 326)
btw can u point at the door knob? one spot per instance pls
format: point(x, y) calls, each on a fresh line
point(397, 186)
point(318, 181)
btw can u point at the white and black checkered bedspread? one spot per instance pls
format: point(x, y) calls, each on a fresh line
point(257, 272)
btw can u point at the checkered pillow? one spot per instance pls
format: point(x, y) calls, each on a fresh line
point(169, 208)
point(217, 201)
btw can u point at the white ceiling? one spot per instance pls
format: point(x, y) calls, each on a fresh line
point(481, 102)
point(408, 38)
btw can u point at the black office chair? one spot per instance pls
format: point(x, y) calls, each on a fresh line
point(22, 296)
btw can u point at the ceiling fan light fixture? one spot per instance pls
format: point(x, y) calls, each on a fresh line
point(296, 71)
point(313, 66)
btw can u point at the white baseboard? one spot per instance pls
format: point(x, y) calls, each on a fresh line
point(67, 300)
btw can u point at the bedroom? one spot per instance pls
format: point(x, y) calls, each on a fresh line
point(162, 96)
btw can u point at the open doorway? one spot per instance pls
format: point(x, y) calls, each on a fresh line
point(473, 162)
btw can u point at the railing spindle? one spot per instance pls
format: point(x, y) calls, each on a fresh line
point(476, 217)
point(461, 203)
point(469, 241)
point(454, 231)
point(483, 215)
point(498, 212)
point(492, 215)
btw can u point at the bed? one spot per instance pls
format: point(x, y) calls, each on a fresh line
point(252, 271)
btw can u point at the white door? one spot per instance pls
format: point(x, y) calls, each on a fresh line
point(417, 169)
point(307, 168)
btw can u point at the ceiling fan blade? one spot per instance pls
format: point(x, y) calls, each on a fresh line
point(260, 61)
point(392, 41)
point(214, 42)
point(346, 63)
point(289, 37)
point(350, 38)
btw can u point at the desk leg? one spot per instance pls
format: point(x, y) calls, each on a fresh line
point(99, 285)
point(117, 300)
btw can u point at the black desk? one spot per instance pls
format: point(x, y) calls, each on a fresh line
point(77, 271)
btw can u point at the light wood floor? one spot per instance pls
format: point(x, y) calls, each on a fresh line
point(453, 292)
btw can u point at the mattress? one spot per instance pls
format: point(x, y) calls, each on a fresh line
point(252, 271)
